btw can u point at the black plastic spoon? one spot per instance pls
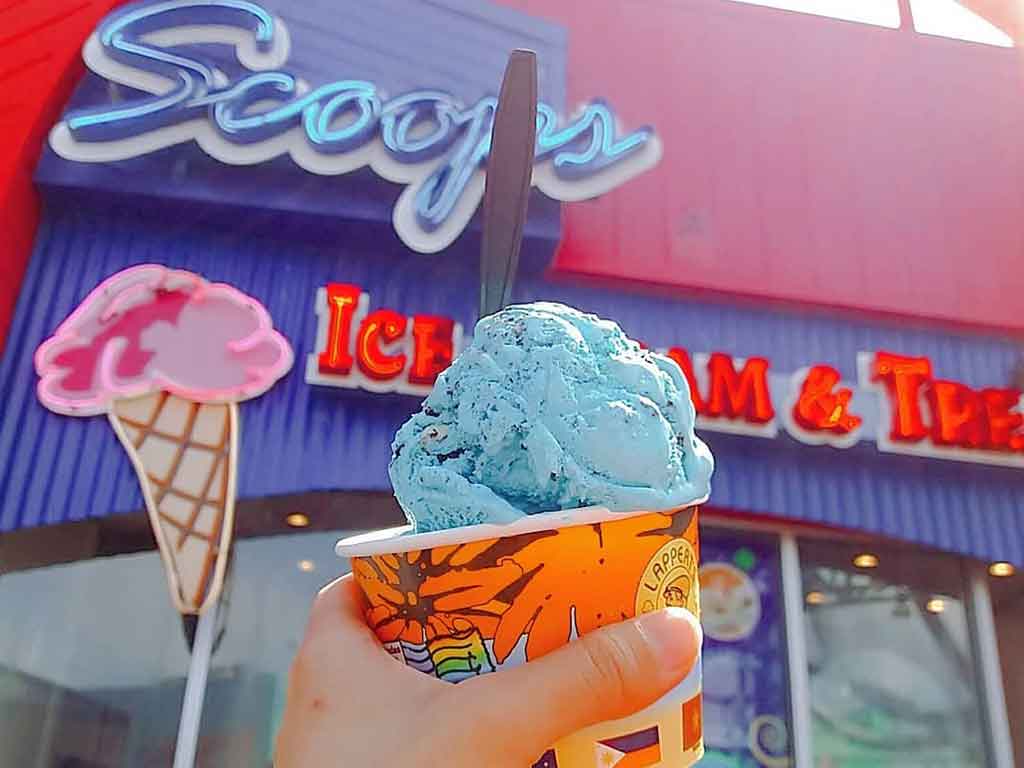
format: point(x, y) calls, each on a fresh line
point(508, 179)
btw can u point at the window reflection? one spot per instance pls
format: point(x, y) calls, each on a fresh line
point(891, 670)
point(273, 583)
point(883, 13)
point(92, 665)
point(951, 18)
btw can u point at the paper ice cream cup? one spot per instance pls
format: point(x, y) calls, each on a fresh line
point(469, 601)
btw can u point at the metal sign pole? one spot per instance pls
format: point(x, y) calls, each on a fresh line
point(799, 679)
point(195, 689)
point(987, 644)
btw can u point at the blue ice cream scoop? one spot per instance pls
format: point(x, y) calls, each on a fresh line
point(549, 408)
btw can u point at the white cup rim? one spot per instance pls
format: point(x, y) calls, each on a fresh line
point(398, 540)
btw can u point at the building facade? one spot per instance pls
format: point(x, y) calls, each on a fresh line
point(817, 218)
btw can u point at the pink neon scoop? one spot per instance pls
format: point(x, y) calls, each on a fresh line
point(149, 328)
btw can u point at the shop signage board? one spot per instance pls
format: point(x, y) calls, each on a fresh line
point(427, 140)
point(897, 402)
point(167, 356)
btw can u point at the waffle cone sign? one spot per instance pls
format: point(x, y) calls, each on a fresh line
point(167, 357)
point(184, 454)
point(466, 602)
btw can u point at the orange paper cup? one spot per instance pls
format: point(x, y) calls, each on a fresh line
point(473, 600)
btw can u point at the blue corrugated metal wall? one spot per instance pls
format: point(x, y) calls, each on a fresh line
point(969, 508)
point(299, 437)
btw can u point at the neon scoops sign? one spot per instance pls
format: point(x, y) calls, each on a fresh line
point(427, 140)
point(898, 403)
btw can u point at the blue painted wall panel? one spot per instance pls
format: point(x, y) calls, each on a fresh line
point(300, 437)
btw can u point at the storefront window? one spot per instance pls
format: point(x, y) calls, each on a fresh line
point(884, 13)
point(273, 582)
point(951, 18)
point(892, 673)
point(745, 683)
point(92, 665)
point(1008, 607)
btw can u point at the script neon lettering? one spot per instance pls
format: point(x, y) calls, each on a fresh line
point(433, 348)
point(682, 359)
point(1002, 422)
point(425, 139)
point(384, 326)
point(958, 415)
point(743, 395)
point(341, 306)
point(822, 407)
point(903, 378)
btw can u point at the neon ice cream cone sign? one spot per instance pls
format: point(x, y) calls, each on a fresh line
point(167, 356)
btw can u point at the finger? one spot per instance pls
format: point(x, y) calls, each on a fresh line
point(337, 626)
point(337, 607)
point(607, 674)
point(341, 653)
point(340, 673)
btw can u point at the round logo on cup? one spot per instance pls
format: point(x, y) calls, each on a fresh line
point(732, 604)
point(669, 579)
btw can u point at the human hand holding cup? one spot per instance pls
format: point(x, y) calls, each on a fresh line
point(463, 603)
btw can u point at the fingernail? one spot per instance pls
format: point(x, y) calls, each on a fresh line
point(674, 634)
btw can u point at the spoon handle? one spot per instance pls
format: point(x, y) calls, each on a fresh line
point(508, 180)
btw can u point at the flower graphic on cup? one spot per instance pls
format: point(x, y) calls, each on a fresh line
point(418, 596)
point(468, 607)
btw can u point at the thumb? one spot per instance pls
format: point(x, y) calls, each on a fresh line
point(605, 675)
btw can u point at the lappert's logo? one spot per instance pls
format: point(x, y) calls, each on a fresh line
point(427, 140)
point(669, 579)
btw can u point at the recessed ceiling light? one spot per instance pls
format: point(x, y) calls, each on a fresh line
point(935, 605)
point(297, 520)
point(307, 566)
point(816, 598)
point(866, 560)
point(1002, 569)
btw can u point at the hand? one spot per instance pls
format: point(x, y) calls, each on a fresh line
point(350, 704)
